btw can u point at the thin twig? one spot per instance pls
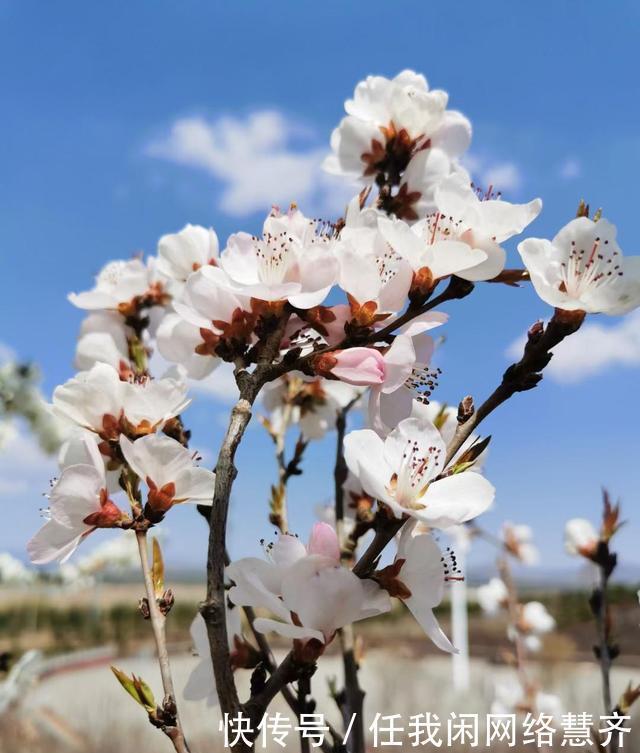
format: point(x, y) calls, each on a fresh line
point(353, 692)
point(157, 619)
point(604, 655)
point(513, 606)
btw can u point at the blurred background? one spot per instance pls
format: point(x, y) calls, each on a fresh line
point(122, 122)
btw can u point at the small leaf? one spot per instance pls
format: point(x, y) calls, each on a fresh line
point(137, 688)
point(157, 570)
point(469, 457)
point(144, 693)
point(126, 682)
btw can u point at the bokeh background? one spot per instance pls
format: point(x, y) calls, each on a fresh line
point(122, 122)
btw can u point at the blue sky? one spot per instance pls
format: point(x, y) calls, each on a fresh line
point(91, 92)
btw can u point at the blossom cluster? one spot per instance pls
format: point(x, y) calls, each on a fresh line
point(318, 314)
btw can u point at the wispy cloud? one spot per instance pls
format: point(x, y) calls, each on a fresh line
point(501, 176)
point(260, 160)
point(24, 467)
point(593, 350)
point(221, 385)
point(7, 353)
point(570, 169)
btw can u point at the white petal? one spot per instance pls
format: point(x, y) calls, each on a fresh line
point(364, 455)
point(398, 363)
point(195, 485)
point(455, 499)
point(54, 542)
point(429, 624)
point(286, 629)
point(76, 495)
point(157, 457)
point(421, 434)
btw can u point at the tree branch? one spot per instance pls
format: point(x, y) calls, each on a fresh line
point(157, 619)
point(213, 609)
point(354, 695)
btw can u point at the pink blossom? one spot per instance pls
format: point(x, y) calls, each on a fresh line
point(358, 366)
point(324, 541)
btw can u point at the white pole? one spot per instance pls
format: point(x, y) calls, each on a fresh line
point(460, 628)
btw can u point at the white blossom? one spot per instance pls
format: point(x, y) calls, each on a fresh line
point(307, 582)
point(79, 503)
point(582, 269)
point(180, 254)
point(118, 285)
point(292, 261)
point(403, 470)
point(389, 122)
point(580, 537)
point(168, 470)
point(492, 596)
point(100, 401)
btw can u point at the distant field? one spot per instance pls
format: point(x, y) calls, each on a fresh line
point(57, 621)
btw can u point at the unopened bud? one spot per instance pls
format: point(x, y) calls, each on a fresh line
point(143, 606)
point(466, 409)
point(535, 331)
point(166, 602)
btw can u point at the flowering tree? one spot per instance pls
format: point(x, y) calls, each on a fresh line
point(315, 316)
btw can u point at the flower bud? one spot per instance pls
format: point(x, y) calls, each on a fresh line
point(357, 366)
point(581, 538)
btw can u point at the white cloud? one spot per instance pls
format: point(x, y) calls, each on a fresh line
point(504, 176)
point(486, 172)
point(7, 353)
point(259, 160)
point(571, 168)
point(592, 350)
point(24, 467)
point(221, 385)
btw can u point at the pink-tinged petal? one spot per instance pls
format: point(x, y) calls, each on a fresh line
point(358, 366)
point(425, 347)
point(323, 596)
point(399, 361)
point(266, 576)
point(251, 591)
point(387, 410)
point(324, 541)
point(423, 323)
point(287, 550)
